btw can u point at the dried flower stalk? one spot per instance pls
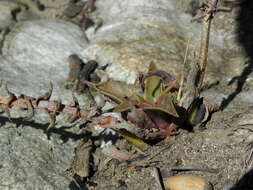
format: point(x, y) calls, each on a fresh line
point(206, 13)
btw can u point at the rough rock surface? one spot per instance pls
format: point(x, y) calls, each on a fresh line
point(36, 52)
point(6, 13)
point(133, 34)
point(45, 8)
point(159, 33)
point(29, 160)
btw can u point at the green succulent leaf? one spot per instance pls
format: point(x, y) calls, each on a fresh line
point(166, 105)
point(153, 88)
point(114, 89)
point(129, 103)
point(133, 139)
point(152, 85)
point(196, 112)
point(124, 106)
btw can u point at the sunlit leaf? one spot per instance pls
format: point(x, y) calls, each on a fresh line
point(166, 77)
point(124, 106)
point(157, 108)
point(153, 88)
point(152, 85)
point(166, 105)
point(129, 103)
point(114, 89)
point(152, 67)
point(136, 141)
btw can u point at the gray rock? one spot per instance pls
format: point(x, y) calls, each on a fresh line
point(30, 161)
point(36, 52)
point(45, 8)
point(7, 8)
point(133, 37)
point(135, 33)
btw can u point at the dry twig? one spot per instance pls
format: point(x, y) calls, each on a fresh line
point(197, 72)
point(206, 13)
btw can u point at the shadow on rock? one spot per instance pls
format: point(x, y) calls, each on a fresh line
point(64, 135)
point(245, 183)
point(245, 38)
point(77, 184)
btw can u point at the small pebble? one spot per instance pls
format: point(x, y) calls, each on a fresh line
point(186, 182)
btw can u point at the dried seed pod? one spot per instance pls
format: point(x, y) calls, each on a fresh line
point(184, 182)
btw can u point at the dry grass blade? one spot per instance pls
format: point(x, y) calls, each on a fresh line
point(204, 48)
point(179, 95)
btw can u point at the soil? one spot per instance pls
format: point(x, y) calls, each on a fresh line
point(220, 145)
